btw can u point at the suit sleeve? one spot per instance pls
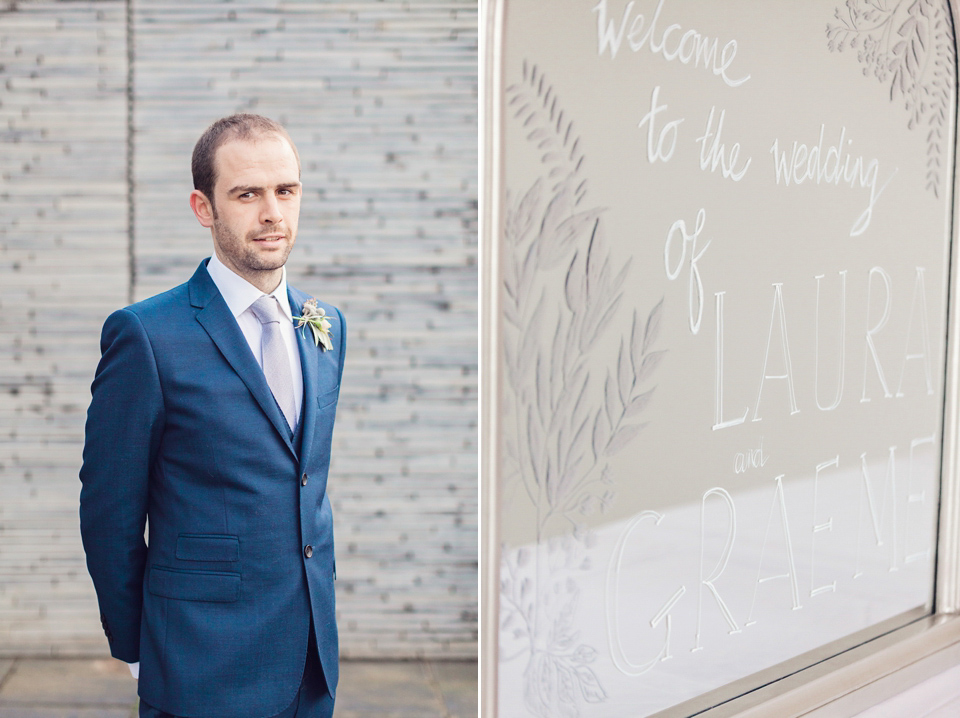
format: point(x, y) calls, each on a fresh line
point(124, 425)
point(343, 344)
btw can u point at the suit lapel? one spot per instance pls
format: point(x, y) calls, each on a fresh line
point(309, 367)
point(220, 324)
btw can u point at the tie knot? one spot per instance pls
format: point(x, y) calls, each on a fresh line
point(266, 310)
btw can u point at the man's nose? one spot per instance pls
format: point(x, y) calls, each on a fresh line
point(270, 210)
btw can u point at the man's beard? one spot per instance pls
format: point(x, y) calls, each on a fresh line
point(244, 254)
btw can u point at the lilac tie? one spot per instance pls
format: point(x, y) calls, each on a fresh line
point(276, 360)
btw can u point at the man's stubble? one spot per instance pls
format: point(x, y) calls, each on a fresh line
point(243, 254)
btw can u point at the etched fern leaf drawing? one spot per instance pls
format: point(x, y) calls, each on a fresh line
point(575, 406)
point(908, 44)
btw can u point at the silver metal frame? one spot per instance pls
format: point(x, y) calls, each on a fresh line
point(842, 685)
point(948, 546)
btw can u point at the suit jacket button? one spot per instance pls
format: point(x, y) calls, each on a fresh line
point(308, 550)
point(303, 479)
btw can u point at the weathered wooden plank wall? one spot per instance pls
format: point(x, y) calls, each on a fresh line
point(381, 100)
point(63, 266)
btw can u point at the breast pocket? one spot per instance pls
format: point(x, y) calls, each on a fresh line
point(328, 398)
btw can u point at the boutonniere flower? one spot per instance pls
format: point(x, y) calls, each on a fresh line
point(315, 318)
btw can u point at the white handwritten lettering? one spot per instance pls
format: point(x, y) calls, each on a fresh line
point(624, 664)
point(919, 297)
point(890, 483)
point(695, 284)
point(778, 312)
point(666, 136)
point(817, 528)
point(720, 423)
point(871, 348)
point(843, 344)
point(710, 580)
point(692, 46)
point(715, 155)
point(914, 497)
point(751, 458)
point(810, 163)
point(778, 500)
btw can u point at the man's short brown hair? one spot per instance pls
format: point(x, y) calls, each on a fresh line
point(242, 126)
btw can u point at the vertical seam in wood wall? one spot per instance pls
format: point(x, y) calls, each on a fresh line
point(131, 207)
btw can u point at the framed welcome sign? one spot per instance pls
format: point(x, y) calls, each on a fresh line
point(720, 376)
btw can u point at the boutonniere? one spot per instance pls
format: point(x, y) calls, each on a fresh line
point(315, 318)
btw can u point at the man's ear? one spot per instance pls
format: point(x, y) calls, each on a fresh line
point(202, 208)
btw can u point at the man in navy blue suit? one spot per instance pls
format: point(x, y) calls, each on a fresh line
point(211, 422)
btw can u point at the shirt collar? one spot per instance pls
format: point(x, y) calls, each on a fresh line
point(239, 294)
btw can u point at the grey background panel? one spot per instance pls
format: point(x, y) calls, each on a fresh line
point(381, 100)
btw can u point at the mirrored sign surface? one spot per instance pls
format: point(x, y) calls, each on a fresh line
point(723, 271)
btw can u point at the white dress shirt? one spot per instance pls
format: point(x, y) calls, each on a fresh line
point(239, 295)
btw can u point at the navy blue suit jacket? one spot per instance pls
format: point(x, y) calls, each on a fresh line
point(184, 431)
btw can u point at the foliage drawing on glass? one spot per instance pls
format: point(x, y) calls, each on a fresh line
point(910, 45)
point(575, 405)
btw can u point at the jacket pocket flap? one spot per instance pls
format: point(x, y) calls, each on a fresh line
point(194, 585)
point(328, 397)
point(207, 547)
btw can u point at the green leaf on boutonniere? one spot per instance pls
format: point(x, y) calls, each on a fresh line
point(316, 318)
